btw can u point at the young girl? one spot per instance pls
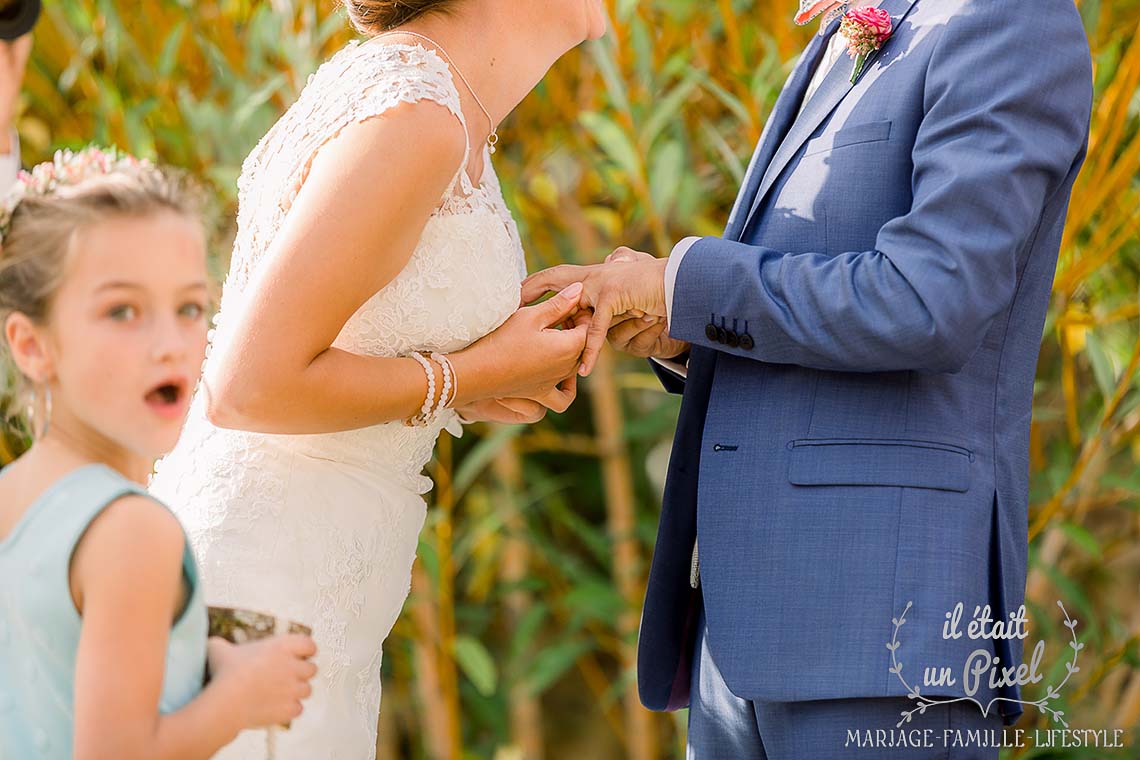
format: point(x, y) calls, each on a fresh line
point(103, 628)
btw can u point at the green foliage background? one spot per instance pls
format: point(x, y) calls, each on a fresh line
point(518, 640)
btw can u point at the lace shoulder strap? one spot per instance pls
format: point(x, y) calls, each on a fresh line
point(359, 82)
point(399, 72)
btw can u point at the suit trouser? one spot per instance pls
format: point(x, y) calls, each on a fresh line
point(722, 726)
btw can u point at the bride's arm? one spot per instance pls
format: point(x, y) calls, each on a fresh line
point(351, 229)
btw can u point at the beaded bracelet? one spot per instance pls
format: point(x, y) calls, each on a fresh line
point(450, 382)
point(425, 413)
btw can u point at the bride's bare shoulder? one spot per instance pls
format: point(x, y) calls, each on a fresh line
point(418, 135)
point(376, 101)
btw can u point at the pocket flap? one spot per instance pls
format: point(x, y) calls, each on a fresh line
point(872, 131)
point(879, 462)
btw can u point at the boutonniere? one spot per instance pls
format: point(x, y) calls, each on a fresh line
point(866, 29)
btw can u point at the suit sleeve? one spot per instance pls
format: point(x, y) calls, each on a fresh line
point(1007, 114)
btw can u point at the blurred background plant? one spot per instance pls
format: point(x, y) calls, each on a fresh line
point(518, 640)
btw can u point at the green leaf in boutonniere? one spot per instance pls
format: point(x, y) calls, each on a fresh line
point(866, 29)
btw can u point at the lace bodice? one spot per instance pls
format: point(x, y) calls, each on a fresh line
point(462, 281)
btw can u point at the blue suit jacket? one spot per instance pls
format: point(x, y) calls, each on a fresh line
point(890, 259)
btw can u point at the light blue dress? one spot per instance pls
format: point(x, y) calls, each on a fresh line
point(40, 627)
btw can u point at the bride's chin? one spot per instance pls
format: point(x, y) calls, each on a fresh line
point(595, 20)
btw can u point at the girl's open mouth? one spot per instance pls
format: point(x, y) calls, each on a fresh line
point(168, 398)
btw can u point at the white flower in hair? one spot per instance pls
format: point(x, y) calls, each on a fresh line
point(66, 168)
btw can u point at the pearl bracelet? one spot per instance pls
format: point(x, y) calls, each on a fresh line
point(425, 414)
point(450, 382)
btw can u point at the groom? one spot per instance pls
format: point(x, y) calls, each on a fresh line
point(857, 354)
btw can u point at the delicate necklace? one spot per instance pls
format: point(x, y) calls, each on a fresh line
point(493, 138)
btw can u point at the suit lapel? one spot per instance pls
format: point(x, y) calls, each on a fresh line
point(782, 116)
point(835, 86)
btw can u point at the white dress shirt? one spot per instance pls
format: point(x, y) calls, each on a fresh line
point(836, 47)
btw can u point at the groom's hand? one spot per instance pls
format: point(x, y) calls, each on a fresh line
point(646, 337)
point(633, 285)
point(640, 335)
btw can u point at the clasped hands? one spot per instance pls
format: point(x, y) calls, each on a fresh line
point(622, 300)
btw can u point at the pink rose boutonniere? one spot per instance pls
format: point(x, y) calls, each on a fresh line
point(866, 29)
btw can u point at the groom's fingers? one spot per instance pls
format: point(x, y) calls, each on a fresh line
point(625, 332)
point(553, 279)
point(596, 335)
point(643, 343)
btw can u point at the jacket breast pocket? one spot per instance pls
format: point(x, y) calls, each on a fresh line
point(879, 462)
point(873, 131)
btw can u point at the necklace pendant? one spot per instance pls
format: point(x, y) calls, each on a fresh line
point(492, 141)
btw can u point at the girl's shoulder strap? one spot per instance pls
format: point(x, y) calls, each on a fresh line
point(78, 498)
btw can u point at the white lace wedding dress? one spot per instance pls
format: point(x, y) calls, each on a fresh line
point(323, 528)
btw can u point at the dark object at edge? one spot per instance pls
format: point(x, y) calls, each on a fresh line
point(17, 17)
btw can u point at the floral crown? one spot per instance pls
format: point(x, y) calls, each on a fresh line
point(66, 168)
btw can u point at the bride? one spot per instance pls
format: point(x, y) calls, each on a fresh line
point(371, 302)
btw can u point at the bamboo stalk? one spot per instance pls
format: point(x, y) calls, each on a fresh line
point(621, 516)
point(525, 710)
point(1128, 711)
point(1092, 445)
point(448, 675)
point(433, 718)
point(596, 678)
point(741, 73)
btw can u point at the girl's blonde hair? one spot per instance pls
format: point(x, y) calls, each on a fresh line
point(39, 243)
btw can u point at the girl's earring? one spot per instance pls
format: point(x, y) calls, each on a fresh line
point(47, 412)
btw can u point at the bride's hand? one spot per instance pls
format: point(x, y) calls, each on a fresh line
point(506, 411)
point(526, 411)
point(527, 357)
